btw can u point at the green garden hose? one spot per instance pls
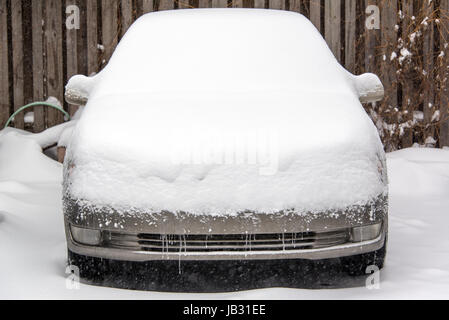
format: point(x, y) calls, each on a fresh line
point(36, 104)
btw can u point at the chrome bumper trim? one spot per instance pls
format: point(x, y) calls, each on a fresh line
point(347, 249)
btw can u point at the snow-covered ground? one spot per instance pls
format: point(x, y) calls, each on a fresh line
point(33, 249)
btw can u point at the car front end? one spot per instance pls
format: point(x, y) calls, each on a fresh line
point(253, 244)
point(238, 174)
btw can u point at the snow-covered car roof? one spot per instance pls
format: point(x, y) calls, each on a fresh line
point(187, 85)
point(223, 50)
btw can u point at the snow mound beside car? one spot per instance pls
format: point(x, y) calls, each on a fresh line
point(17, 144)
point(223, 111)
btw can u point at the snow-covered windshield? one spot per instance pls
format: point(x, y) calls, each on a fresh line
point(225, 51)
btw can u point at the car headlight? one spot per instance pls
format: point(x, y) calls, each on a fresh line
point(364, 233)
point(90, 237)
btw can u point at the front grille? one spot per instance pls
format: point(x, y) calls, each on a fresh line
point(172, 243)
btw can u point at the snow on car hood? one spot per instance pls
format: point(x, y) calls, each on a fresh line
point(222, 111)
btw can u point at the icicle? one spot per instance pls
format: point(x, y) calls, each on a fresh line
point(179, 255)
point(283, 241)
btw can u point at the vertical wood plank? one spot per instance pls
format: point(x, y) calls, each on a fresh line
point(350, 32)
point(166, 5)
point(428, 68)
point(407, 83)
point(389, 41)
point(444, 74)
point(92, 36)
point(53, 43)
point(204, 3)
point(109, 26)
point(296, 5)
point(147, 6)
point(38, 64)
point(360, 36)
point(126, 16)
point(4, 81)
point(315, 13)
point(372, 37)
point(17, 60)
point(259, 4)
point(82, 38)
point(182, 4)
point(332, 26)
point(27, 55)
point(388, 68)
point(277, 4)
point(219, 3)
point(71, 53)
point(237, 3)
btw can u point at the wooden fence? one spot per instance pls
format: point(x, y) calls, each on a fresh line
point(38, 53)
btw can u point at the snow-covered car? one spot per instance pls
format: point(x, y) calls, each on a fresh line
point(224, 149)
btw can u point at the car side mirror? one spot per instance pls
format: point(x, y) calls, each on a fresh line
point(369, 87)
point(77, 90)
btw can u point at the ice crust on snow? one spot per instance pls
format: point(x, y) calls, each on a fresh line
point(249, 80)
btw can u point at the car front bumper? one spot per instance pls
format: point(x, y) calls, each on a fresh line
point(139, 236)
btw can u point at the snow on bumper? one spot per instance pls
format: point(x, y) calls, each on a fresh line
point(139, 236)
